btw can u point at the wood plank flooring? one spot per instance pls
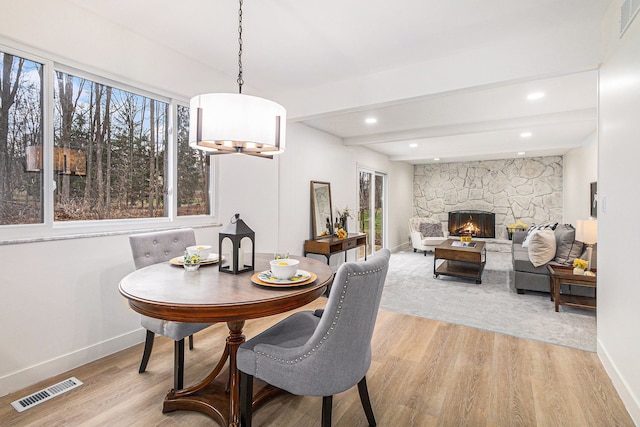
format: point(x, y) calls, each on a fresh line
point(424, 373)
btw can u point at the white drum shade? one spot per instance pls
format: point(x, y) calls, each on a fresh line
point(237, 123)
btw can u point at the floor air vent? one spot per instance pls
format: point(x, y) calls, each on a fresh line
point(46, 394)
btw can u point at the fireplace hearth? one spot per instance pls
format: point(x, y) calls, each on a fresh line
point(472, 223)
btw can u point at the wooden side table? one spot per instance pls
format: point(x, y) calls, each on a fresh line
point(561, 274)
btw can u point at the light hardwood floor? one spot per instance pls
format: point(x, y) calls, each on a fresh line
point(424, 373)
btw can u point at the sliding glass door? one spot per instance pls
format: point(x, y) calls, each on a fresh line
point(372, 209)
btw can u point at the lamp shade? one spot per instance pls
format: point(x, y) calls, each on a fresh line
point(587, 231)
point(222, 123)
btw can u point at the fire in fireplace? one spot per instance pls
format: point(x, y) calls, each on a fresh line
point(473, 223)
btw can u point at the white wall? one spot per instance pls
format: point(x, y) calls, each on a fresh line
point(618, 178)
point(60, 306)
point(314, 155)
point(580, 170)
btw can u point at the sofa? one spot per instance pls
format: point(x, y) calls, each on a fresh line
point(528, 277)
point(425, 235)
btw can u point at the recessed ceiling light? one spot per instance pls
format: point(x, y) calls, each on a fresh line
point(413, 145)
point(535, 95)
point(437, 159)
point(521, 153)
point(525, 135)
point(370, 120)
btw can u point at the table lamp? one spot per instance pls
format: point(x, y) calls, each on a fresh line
point(587, 233)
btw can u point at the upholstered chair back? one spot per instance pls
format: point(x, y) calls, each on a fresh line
point(159, 246)
point(337, 353)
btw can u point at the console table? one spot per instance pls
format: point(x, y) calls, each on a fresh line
point(330, 245)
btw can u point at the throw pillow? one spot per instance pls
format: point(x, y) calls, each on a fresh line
point(428, 229)
point(534, 227)
point(542, 247)
point(567, 248)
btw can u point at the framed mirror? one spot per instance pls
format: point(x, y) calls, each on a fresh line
point(321, 209)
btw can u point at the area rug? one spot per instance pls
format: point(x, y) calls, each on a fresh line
point(494, 305)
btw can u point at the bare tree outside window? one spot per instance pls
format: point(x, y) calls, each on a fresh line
point(109, 153)
point(110, 150)
point(21, 200)
point(193, 172)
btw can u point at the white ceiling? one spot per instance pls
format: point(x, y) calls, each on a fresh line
point(300, 51)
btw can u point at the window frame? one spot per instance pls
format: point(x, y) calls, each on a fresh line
point(55, 230)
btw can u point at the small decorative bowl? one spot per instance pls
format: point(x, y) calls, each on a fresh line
point(284, 269)
point(191, 260)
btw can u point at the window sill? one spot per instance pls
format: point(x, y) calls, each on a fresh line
point(68, 231)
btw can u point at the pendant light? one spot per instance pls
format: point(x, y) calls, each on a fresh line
point(225, 123)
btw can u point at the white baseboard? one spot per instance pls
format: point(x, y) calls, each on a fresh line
point(401, 247)
point(20, 379)
point(629, 399)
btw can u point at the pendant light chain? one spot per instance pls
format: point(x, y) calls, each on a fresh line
point(240, 79)
point(233, 123)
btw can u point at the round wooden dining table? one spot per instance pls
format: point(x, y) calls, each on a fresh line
point(166, 291)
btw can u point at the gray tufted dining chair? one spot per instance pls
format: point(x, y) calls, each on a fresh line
point(324, 352)
point(152, 248)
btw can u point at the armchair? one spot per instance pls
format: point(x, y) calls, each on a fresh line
point(320, 353)
point(420, 242)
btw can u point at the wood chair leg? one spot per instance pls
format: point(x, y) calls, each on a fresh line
point(366, 403)
point(190, 342)
point(178, 364)
point(327, 406)
point(148, 346)
point(246, 399)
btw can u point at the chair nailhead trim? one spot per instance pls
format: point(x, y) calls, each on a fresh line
point(324, 338)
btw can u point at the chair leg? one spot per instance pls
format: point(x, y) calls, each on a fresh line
point(148, 346)
point(190, 342)
point(246, 399)
point(327, 404)
point(178, 364)
point(366, 403)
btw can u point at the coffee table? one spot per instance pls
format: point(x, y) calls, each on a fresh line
point(466, 262)
point(563, 275)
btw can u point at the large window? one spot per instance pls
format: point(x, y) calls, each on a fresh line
point(110, 152)
point(20, 133)
point(115, 153)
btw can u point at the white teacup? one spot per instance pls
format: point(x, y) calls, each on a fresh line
point(284, 269)
point(204, 250)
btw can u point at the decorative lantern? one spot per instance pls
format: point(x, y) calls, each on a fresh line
point(236, 243)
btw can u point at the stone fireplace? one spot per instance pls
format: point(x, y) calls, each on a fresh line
point(526, 189)
point(472, 223)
